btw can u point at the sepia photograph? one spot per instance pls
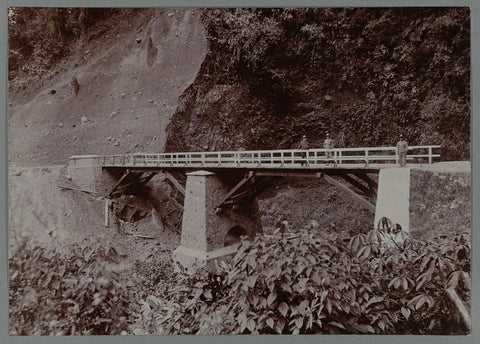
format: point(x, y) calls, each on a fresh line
point(239, 171)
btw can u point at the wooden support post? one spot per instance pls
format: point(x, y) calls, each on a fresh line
point(355, 183)
point(248, 178)
point(176, 183)
point(177, 204)
point(76, 189)
point(107, 203)
point(356, 196)
point(373, 184)
point(145, 180)
point(125, 175)
point(127, 185)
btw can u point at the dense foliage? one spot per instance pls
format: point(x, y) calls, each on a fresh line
point(311, 282)
point(81, 293)
point(363, 74)
point(320, 284)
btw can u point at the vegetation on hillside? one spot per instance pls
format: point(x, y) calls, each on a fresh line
point(366, 75)
point(435, 197)
point(307, 282)
point(80, 293)
point(315, 283)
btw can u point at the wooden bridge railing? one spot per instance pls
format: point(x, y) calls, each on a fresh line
point(273, 158)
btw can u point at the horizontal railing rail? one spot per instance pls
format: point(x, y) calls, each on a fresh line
point(274, 158)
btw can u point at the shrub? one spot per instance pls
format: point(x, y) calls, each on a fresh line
point(79, 293)
point(316, 285)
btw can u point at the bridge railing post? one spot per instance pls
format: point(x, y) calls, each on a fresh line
point(366, 157)
point(429, 155)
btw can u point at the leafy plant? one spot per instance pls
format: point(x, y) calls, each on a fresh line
point(81, 292)
point(320, 284)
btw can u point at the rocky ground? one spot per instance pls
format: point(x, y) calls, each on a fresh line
point(53, 216)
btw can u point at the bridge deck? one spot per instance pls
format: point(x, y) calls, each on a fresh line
point(272, 169)
point(369, 159)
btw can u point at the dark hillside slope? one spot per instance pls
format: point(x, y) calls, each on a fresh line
point(364, 75)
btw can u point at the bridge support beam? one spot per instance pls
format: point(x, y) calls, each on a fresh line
point(355, 195)
point(205, 232)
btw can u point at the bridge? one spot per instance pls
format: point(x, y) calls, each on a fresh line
point(368, 158)
point(221, 187)
point(352, 165)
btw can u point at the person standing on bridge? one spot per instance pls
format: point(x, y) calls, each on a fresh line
point(328, 144)
point(303, 145)
point(402, 147)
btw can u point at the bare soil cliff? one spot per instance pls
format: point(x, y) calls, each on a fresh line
point(129, 78)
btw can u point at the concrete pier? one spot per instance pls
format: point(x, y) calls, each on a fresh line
point(85, 171)
point(393, 198)
point(88, 173)
point(205, 231)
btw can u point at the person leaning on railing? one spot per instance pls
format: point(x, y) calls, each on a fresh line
point(402, 147)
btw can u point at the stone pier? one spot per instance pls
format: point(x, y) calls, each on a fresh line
point(393, 197)
point(87, 173)
point(207, 234)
